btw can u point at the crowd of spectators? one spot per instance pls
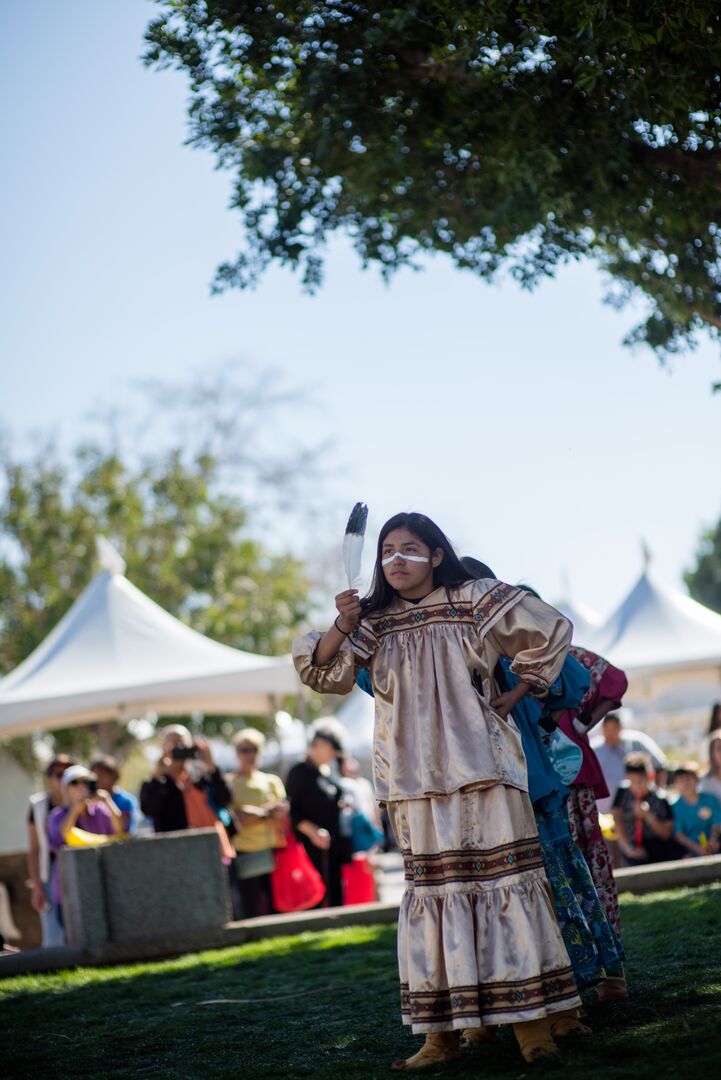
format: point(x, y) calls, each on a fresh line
point(659, 812)
point(328, 806)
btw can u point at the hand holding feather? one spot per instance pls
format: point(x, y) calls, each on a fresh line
point(349, 610)
point(347, 602)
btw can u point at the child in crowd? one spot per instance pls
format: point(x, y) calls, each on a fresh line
point(696, 815)
point(644, 821)
point(478, 940)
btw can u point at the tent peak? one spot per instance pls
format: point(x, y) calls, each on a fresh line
point(109, 558)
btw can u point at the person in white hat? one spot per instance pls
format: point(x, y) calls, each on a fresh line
point(84, 807)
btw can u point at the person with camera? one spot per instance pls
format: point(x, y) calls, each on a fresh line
point(187, 790)
point(86, 811)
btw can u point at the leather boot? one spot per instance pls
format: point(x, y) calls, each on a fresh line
point(535, 1039)
point(567, 1022)
point(478, 1036)
point(613, 989)
point(439, 1046)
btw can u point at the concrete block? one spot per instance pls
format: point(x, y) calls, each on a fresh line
point(669, 875)
point(84, 916)
point(164, 886)
point(34, 961)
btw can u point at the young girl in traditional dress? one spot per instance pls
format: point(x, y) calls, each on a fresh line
point(478, 941)
point(592, 944)
point(607, 686)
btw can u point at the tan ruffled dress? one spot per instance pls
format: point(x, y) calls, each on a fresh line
point(478, 941)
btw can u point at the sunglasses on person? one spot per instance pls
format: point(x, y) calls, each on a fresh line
point(57, 774)
point(90, 783)
point(247, 749)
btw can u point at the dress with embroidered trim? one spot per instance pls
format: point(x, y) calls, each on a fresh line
point(593, 947)
point(478, 940)
point(434, 732)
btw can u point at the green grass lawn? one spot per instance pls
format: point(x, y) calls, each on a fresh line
point(326, 1005)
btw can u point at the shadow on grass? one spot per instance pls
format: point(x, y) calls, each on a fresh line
point(326, 1005)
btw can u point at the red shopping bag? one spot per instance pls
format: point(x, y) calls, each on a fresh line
point(359, 886)
point(295, 883)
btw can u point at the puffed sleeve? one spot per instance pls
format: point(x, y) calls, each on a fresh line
point(339, 675)
point(536, 637)
point(569, 688)
point(335, 677)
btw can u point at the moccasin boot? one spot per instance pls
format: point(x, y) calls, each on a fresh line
point(439, 1046)
point(478, 1036)
point(613, 989)
point(535, 1039)
point(567, 1022)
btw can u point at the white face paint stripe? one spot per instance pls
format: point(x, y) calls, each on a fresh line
point(408, 558)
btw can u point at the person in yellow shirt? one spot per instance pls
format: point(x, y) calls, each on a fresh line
point(261, 812)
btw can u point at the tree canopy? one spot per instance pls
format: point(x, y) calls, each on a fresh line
point(186, 544)
point(508, 135)
point(704, 579)
point(186, 512)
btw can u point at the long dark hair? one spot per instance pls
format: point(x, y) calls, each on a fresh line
point(476, 568)
point(450, 572)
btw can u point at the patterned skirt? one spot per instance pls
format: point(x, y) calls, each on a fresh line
point(586, 831)
point(478, 940)
point(593, 947)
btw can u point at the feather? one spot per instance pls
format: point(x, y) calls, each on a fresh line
point(353, 543)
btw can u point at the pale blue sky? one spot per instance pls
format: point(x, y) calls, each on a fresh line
point(517, 420)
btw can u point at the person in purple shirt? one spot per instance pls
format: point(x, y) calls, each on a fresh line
point(106, 769)
point(85, 808)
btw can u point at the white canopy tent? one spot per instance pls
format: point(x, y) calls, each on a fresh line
point(657, 626)
point(117, 654)
point(670, 647)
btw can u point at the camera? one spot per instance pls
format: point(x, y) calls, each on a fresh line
point(92, 783)
point(183, 753)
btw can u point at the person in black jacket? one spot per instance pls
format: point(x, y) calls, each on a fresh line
point(183, 760)
point(315, 796)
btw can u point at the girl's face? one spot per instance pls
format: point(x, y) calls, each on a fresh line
point(405, 572)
